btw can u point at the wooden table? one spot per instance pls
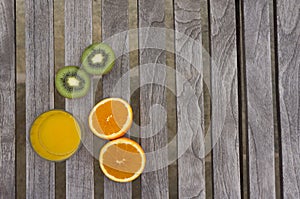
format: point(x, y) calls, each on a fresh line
point(241, 81)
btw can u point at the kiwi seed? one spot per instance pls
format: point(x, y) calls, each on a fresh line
point(98, 59)
point(72, 82)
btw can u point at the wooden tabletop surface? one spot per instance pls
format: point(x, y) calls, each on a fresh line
point(254, 82)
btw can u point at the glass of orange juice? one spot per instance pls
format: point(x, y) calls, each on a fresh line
point(55, 135)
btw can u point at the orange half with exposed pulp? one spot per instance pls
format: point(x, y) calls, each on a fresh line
point(111, 118)
point(122, 160)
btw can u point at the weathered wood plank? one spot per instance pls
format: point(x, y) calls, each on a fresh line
point(39, 91)
point(78, 35)
point(154, 182)
point(114, 21)
point(7, 99)
point(259, 99)
point(288, 35)
point(225, 134)
point(190, 110)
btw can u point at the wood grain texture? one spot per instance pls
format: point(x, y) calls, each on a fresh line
point(190, 110)
point(225, 127)
point(7, 99)
point(114, 21)
point(288, 34)
point(259, 99)
point(78, 35)
point(39, 91)
point(154, 182)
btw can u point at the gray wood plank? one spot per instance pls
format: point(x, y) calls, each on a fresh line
point(288, 34)
point(7, 99)
point(114, 21)
point(78, 35)
point(190, 110)
point(225, 129)
point(154, 182)
point(259, 99)
point(39, 91)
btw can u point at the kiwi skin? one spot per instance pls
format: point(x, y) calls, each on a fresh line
point(72, 92)
point(102, 70)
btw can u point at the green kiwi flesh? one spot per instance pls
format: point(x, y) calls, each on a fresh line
point(98, 59)
point(72, 82)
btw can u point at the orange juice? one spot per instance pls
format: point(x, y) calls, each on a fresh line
point(55, 135)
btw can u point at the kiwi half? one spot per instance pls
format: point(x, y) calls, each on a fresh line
point(72, 82)
point(98, 59)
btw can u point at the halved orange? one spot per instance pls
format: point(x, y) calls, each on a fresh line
point(122, 160)
point(111, 118)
